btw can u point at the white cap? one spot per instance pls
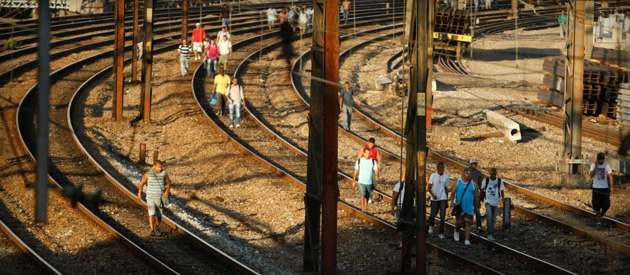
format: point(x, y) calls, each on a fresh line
point(197, 24)
point(473, 160)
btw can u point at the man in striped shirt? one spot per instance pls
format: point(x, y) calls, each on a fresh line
point(158, 187)
point(184, 57)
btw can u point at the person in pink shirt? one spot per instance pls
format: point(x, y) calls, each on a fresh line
point(211, 56)
point(197, 41)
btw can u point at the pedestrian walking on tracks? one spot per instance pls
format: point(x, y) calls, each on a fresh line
point(366, 170)
point(221, 82)
point(224, 16)
point(346, 103)
point(601, 173)
point(197, 40)
point(212, 54)
point(438, 189)
point(158, 187)
point(398, 197)
point(225, 49)
point(477, 177)
point(345, 6)
point(184, 57)
point(493, 188)
point(272, 17)
point(463, 201)
point(235, 99)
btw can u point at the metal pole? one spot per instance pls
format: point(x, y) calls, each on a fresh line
point(393, 16)
point(516, 36)
point(184, 20)
point(574, 71)
point(119, 47)
point(322, 185)
point(43, 92)
point(134, 51)
point(147, 62)
point(354, 14)
point(507, 213)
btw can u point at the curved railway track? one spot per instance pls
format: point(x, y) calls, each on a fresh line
point(298, 180)
point(43, 264)
point(611, 240)
point(25, 111)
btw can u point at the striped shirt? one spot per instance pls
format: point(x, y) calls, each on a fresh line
point(156, 184)
point(184, 50)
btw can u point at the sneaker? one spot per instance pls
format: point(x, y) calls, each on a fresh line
point(491, 238)
point(456, 236)
point(238, 125)
point(467, 243)
point(430, 229)
point(370, 200)
point(441, 236)
point(231, 126)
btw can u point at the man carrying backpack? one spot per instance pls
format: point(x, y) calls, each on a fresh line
point(493, 188)
point(367, 170)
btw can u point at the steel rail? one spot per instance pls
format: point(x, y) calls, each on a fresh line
point(221, 128)
point(477, 238)
point(5, 76)
point(180, 229)
point(27, 249)
point(242, 268)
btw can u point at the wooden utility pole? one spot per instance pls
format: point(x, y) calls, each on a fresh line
point(147, 63)
point(322, 189)
point(415, 133)
point(119, 58)
point(134, 51)
point(185, 20)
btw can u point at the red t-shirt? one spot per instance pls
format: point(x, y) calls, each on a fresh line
point(373, 151)
point(198, 35)
point(213, 51)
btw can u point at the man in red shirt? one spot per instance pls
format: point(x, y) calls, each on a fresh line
point(197, 41)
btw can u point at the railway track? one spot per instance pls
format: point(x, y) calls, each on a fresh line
point(89, 69)
point(611, 240)
point(24, 266)
point(269, 160)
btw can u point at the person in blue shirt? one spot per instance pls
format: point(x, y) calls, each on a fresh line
point(464, 194)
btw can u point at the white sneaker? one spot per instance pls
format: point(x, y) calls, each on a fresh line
point(370, 200)
point(456, 236)
point(441, 236)
point(231, 126)
point(430, 229)
point(491, 238)
point(238, 125)
point(467, 243)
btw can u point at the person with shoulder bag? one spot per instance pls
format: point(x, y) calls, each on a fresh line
point(464, 207)
point(601, 173)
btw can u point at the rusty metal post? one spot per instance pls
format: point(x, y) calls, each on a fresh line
point(134, 51)
point(156, 155)
point(415, 132)
point(574, 71)
point(507, 213)
point(119, 47)
point(142, 159)
point(43, 92)
point(185, 20)
point(514, 9)
point(322, 187)
point(147, 63)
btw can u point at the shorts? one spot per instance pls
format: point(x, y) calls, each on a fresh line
point(464, 217)
point(271, 22)
point(302, 26)
point(366, 190)
point(601, 199)
point(223, 59)
point(155, 206)
point(197, 46)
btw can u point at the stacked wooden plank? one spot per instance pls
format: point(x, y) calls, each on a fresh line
point(601, 86)
point(623, 104)
point(449, 20)
point(613, 58)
